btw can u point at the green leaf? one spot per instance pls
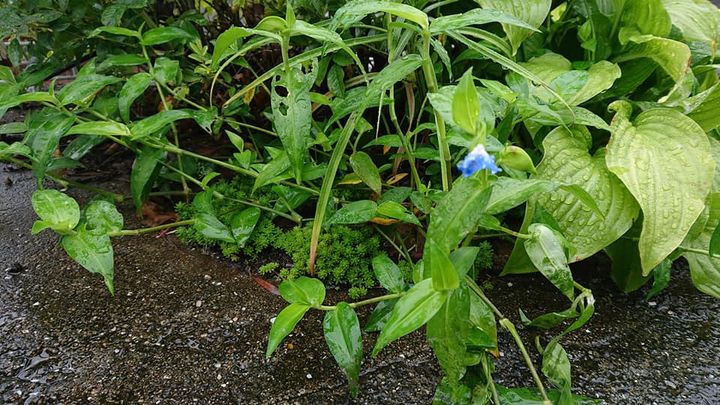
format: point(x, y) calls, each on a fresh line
point(705, 108)
point(533, 12)
point(166, 70)
point(283, 325)
point(447, 333)
point(210, 227)
point(155, 123)
point(123, 60)
point(44, 132)
point(549, 320)
point(698, 20)
point(476, 16)
point(243, 223)
point(567, 159)
point(13, 128)
point(483, 334)
point(546, 252)
point(354, 213)
point(15, 148)
point(672, 56)
point(81, 146)
point(356, 10)
point(105, 128)
point(133, 88)
point(388, 273)
point(161, 35)
point(303, 290)
point(394, 210)
point(324, 36)
point(34, 97)
point(224, 41)
point(103, 217)
point(646, 155)
point(411, 311)
point(364, 167)
point(648, 17)
point(292, 115)
point(83, 87)
point(443, 272)
point(56, 210)
point(508, 193)
point(661, 279)
point(344, 339)
point(144, 171)
point(556, 365)
point(626, 270)
point(379, 316)
point(115, 31)
point(458, 213)
point(92, 251)
point(465, 104)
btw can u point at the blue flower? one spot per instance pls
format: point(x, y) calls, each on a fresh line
point(477, 159)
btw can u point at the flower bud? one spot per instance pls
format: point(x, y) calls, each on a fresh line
point(516, 158)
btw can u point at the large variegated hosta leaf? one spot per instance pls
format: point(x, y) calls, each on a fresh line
point(663, 158)
point(705, 270)
point(567, 160)
point(598, 78)
point(699, 20)
point(532, 12)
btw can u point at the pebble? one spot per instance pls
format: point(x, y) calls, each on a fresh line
point(309, 376)
point(198, 303)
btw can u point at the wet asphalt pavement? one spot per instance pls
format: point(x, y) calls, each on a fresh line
point(188, 327)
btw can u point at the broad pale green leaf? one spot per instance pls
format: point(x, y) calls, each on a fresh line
point(83, 87)
point(131, 90)
point(224, 41)
point(144, 170)
point(303, 290)
point(354, 213)
point(567, 159)
point(447, 333)
point(476, 16)
point(356, 10)
point(706, 108)
point(699, 20)
point(243, 223)
point(411, 311)
point(388, 273)
point(364, 167)
point(292, 115)
point(465, 104)
point(92, 251)
point(344, 339)
point(533, 12)
point(672, 56)
point(161, 35)
point(103, 217)
point(56, 210)
point(111, 128)
point(284, 324)
point(551, 66)
point(508, 193)
point(647, 17)
point(548, 255)
point(155, 123)
point(646, 155)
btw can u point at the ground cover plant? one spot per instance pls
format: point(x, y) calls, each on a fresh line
point(383, 143)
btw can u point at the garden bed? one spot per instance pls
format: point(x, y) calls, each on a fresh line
point(187, 326)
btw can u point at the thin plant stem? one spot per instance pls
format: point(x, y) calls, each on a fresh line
point(368, 301)
point(135, 232)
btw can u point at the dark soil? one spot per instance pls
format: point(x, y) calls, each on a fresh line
point(186, 326)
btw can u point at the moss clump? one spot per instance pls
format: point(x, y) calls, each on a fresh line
point(484, 258)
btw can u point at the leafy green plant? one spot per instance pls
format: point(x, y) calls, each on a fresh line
point(599, 118)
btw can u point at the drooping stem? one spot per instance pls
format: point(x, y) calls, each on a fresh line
point(135, 232)
point(368, 301)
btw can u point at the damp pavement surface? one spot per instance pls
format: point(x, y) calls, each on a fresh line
point(188, 327)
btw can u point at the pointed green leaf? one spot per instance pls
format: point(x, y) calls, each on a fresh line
point(443, 272)
point(303, 290)
point(344, 339)
point(411, 311)
point(354, 213)
point(465, 104)
point(476, 16)
point(364, 167)
point(111, 128)
point(533, 12)
point(447, 333)
point(243, 223)
point(153, 124)
point(56, 210)
point(224, 41)
point(395, 210)
point(355, 10)
point(646, 155)
point(144, 171)
point(133, 88)
point(83, 87)
point(546, 252)
point(161, 35)
point(388, 273)
point(92, 251)
point(102, 216)
point(284, 324)
point(45, 129)
point(379, 316)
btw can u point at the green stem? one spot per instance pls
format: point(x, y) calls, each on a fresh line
point(364, 302)
point(135, 232)
point(429, 73)
point(508, 326)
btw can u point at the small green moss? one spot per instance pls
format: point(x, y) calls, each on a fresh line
point(268, 268)
point(484, 259)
